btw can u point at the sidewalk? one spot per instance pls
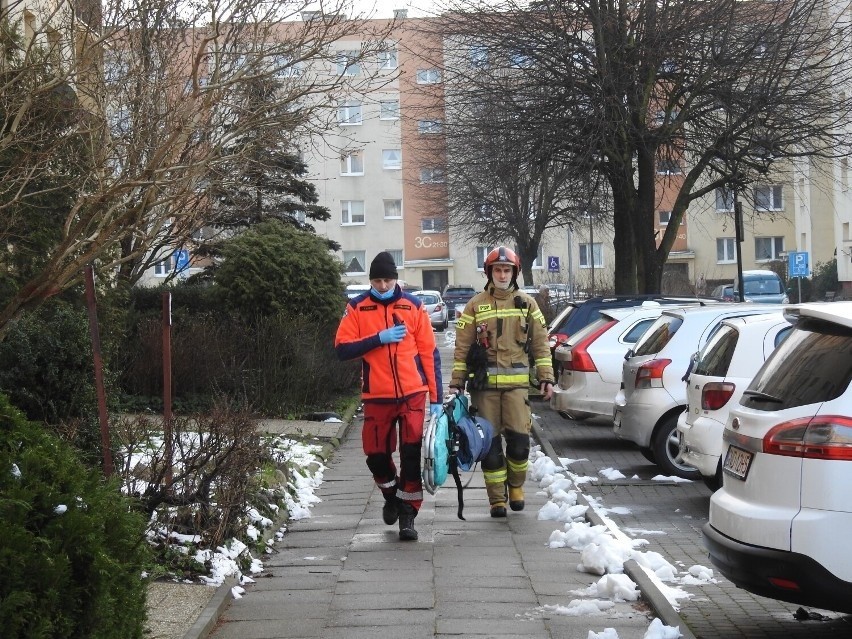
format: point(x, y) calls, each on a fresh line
point(344, 573)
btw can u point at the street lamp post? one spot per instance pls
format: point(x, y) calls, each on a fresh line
point(738, 224)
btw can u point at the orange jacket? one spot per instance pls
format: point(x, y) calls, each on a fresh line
point(390, 372)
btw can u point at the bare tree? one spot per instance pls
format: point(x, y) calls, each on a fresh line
point(120, 121)
point(648, 96)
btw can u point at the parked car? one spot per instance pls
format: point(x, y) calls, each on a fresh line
point(436, 308)
point(653, 392)
point(722, 370)
point(762, 286)
point(455, 296)
point(778, 526)
point(578, 314)
point(590, 361)
point(354, 290)
point(724, 292)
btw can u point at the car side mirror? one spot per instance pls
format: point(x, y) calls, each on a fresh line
point(628, 354)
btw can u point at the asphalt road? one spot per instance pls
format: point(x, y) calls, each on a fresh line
point(670, 515)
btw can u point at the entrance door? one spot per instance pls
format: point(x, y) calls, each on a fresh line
point(435, 280)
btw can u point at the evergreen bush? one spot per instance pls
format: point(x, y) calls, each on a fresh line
point(72, 550)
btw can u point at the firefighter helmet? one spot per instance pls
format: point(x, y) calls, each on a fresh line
point(502, 255)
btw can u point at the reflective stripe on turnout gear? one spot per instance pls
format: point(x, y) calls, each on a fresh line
point(390, 484)
point(413, 496)
point(498, 476)
point(516, 466)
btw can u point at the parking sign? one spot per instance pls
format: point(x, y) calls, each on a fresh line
point(552, 263)
point(799, 266)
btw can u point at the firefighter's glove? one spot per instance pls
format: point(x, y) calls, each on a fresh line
point(392, 335)
point(435, 410)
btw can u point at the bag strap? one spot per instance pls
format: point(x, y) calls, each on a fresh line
point(453, 459)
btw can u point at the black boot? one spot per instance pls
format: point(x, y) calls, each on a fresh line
point(406, 522)
point(390, 511)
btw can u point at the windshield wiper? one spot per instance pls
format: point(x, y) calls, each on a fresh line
point(756, 394)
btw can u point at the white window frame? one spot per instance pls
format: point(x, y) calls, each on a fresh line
point(538, 262)
point(352, 163)
point(388, 59)
point(360, 256)
point(350, 113)
point(346, 63)
point(432, 175)
point(389, 109)
point(428, 76)
point(350, 214)
point(776, 246)
point(430, 127)
point(481, 253)
point(597, 254)
point(397, 205)
point(726, 250)
point(396, 254)
point(433, 225)
point(726, 197)
point(392, 159)
point(771, 194)
point(668, 167)
point(164, 267)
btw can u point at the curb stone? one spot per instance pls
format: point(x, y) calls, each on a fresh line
point(220, 600)
point(649, 589)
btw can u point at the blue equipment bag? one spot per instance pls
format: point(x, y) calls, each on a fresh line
point(454, 440)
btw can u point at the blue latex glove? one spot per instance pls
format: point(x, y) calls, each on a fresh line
point(435, 410)
point(392, 335)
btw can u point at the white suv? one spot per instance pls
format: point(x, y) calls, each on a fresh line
point(722, 370)
point(653, 390)
point(779, 525)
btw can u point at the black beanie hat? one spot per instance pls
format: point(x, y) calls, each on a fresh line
point(383, 267)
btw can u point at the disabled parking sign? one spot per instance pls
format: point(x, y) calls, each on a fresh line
point(552, 263)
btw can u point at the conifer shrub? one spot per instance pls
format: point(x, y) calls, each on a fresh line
point(72, 550)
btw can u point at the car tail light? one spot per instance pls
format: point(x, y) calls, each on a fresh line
point(820, 437)
point(714, 395)
point(581, 361)
point(650, 374)
point(557, 339)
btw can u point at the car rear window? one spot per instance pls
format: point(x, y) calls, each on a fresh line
point(812, 365)
point(766, 286)
point(658, 335)
point(715, 357)
point(429, 299)
point(633, 335)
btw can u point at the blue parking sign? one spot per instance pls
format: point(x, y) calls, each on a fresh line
point(552, 263)
point(798, 265)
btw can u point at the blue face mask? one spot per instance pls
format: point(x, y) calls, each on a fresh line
point(382, 296)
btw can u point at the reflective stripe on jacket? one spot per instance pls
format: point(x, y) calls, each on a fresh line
point(511, 318)
point(390, 372)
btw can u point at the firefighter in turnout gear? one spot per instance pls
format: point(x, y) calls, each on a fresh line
point(499, 334)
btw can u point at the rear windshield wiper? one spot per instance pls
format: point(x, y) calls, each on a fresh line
point(756, 394)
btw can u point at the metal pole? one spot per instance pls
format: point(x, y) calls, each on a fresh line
point(592, 253)
point(167, 383)
point(95, 336)
point(738, 223)
point(570, 264)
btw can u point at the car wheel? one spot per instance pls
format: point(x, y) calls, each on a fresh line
point(666, 448)
point(714, 483)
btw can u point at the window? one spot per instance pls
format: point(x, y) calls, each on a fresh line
point(724, 200)
point(666, 216)
point(433, 225)
point(481, 253)
point(768, 198)
point(389, 109)
point(520, 60)
point(477, 56)
point(388, 59)
point(668, 167)
point(349, 113)
point(352, 211)
point(285, 67)
point(429, 126)
point(347, 63)
point(352, 163)
point(428, 76)
point(164, 268)
point(539, 258)
point(596, 251)
point(393, 209)
point(844, 174)
point(726, 250)
point(661, 117)
point(391, 159)
point(396, 254)
point(431, 176)
point(768, 248)
point(353, 262)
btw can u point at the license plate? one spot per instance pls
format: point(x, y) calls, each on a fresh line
point(737, 462)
